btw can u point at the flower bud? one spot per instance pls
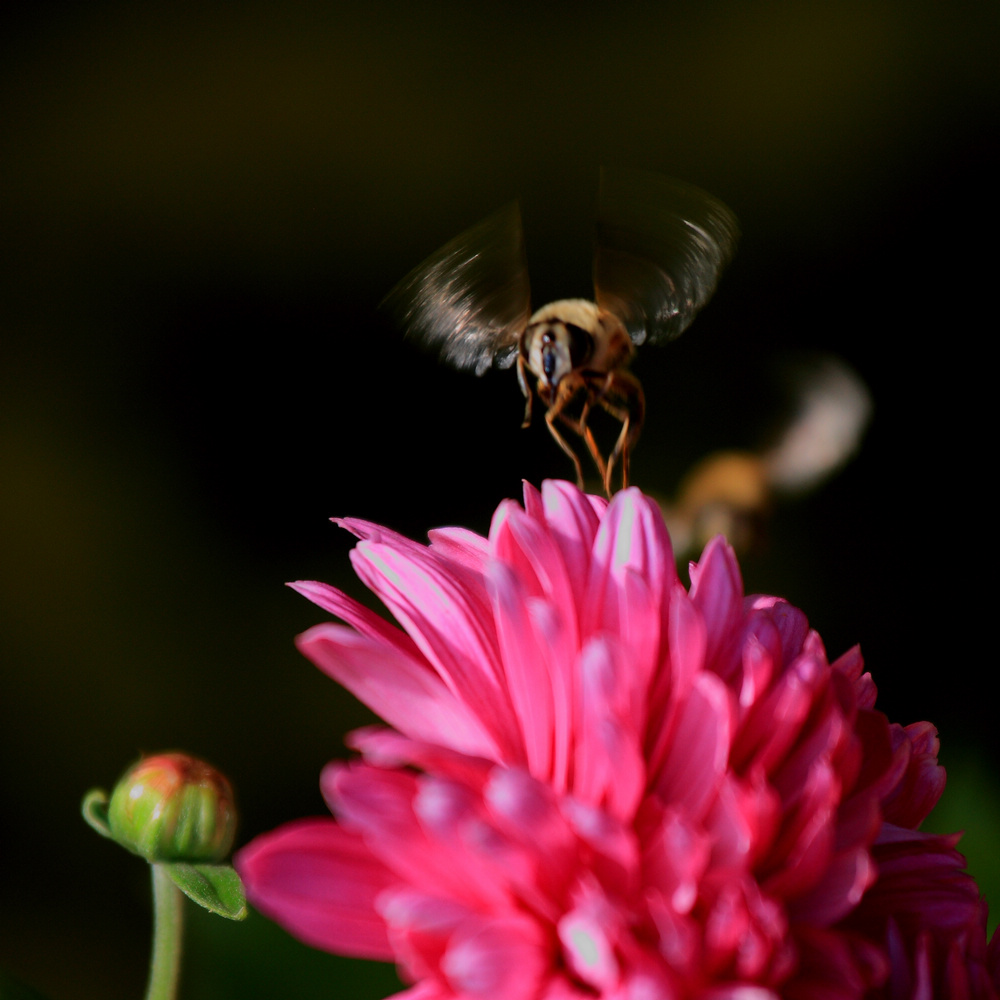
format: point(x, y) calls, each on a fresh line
point(172, 807)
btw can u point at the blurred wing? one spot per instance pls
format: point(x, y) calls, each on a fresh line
point(470, 301)
point(661, 245)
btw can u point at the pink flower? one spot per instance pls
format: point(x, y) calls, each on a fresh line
point(596, 783)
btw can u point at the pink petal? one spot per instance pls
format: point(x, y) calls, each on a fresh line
point(320, 882)
point(742, 822)
point(452, 626)
point(527, 668)
point(844, 882)
point(500, 957)
point(395, 811)
point(356, 615)
point(632, 539)
point(527, 548)
point(610, 768)
point(676, 855)
point(852, 666)
point(717, 592)
point(532, 500)
point(698, 750)
point(761, 660)
point(921, 783)
point(399, 688)
point(772, 726)
point(420, 925)
point(671, 687)
point(388, 748)
point(525, 810)
point(792, 625)
point(369, 531)
point(804, 847)
point(542, 852)
point(573, 523)
point(617, 853)
point(461, 547)
point(427, 989)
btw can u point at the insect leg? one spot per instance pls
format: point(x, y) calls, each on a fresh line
point(561, 441)
point(631, 412)
point(565, 393)
point(581, 427)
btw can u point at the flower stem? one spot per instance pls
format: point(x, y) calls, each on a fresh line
point(168, 927)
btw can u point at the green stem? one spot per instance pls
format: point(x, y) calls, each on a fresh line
point(168, 928)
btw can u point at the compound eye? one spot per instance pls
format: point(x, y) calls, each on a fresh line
point(580, 343)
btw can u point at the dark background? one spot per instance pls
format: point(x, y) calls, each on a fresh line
point(201, 206)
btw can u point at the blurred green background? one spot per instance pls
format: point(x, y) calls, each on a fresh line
point(201, 206)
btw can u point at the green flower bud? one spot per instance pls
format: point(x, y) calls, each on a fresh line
point(172, 807)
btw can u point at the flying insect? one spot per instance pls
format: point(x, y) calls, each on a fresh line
point(660, 247)
point(734, 493)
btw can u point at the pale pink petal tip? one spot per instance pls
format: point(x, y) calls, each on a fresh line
point(595, 783)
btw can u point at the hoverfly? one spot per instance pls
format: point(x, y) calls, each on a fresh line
point(660, 247)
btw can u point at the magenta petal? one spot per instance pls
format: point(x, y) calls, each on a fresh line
point(685, 658)
point(388, 748)
point(501, 957)
point(320, 882)
point(426, 989)
point(524, 809)
point(610, 768)
point(717, 592)
point(369, 531)
point(404, 691)
point(431, 832)
point(743, 993)
point(420, 925)
point(573, 522)
point(922, 780)
point(792, 625)
point(774, 723)
point(844, 883)
point(460, 546)
point(632, 540)
point(696, 762)
point(378, 802)
point(527, 547)
point(676, 856)
point(570, 513)
point(356, 615)
point(527, 670)
point(852, 665)
point(451, 622)
point(688, 640)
